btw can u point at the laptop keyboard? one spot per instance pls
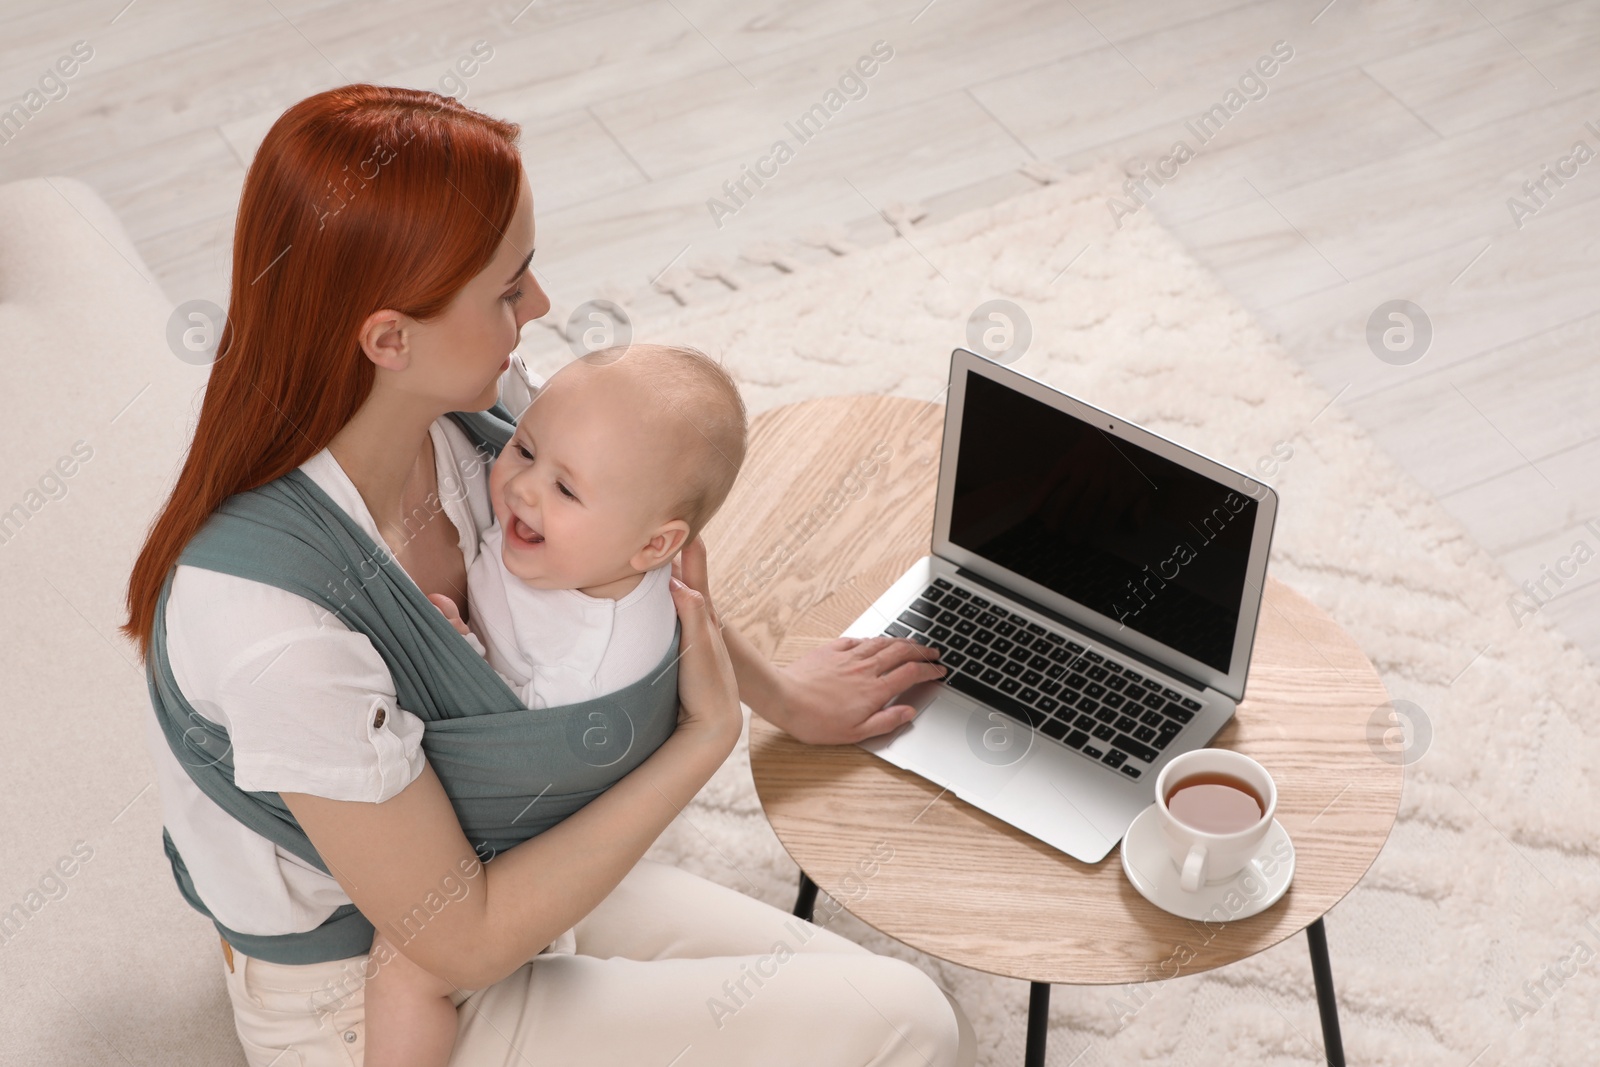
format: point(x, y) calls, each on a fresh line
point(1082, 698)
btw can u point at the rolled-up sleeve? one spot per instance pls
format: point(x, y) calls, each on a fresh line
point(308, 704)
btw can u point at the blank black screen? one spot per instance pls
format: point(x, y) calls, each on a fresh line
point(1117, 528)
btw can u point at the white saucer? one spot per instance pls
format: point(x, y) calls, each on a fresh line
point(1261, 884)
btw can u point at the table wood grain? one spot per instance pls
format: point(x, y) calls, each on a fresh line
point(834, 502)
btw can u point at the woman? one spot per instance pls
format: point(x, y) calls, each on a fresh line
point(380, 279)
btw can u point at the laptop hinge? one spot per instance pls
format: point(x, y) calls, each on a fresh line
point(1116, 646)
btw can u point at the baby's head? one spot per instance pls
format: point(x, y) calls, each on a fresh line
point(619, 461)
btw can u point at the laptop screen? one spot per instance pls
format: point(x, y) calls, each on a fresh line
point(1150, 544)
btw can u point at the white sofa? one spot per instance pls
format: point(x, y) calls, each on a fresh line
point(100, 959)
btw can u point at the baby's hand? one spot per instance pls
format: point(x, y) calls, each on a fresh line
point(451, 612)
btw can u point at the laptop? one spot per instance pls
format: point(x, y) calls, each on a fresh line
point(1094, 589)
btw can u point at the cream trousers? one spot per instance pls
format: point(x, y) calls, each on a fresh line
point(670, 969)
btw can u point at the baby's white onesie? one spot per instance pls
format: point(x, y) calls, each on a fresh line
point(560, 646)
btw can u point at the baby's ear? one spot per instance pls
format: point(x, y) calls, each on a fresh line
point(677, 533)
point(669, 539)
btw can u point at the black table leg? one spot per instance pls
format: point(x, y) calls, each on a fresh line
point(1322, 973)
point(1039, 992)
point(1038, 1023)
point(805, 904)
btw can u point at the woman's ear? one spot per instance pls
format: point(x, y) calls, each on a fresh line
point(384, 338)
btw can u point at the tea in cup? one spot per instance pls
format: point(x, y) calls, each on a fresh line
point(1215, 807)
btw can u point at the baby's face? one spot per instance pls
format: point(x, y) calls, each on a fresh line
point(579, 488)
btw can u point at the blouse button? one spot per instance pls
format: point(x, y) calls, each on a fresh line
point(377, 719)
point(350, 1036)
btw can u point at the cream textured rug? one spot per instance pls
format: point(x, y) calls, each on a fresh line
point(1467, 941)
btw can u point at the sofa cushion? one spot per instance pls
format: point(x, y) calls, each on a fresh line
point(103, 961)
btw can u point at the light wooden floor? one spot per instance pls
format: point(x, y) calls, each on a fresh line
point(1378, 166)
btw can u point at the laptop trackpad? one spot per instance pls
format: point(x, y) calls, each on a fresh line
point(997, 763)
point(953, 741)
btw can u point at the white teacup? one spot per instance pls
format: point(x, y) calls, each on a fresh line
point(1205, 857)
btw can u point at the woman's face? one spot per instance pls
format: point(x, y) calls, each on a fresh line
point(454, 362)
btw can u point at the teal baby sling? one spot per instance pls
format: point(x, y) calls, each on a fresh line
point(511, 772)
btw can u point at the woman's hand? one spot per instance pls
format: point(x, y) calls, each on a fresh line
point(835, 694)
point(708, 690)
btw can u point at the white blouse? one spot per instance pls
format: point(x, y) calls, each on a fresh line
point(298, 694)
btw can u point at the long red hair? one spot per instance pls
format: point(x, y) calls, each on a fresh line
point(360, 198)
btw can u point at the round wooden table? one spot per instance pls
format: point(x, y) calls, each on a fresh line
point(834, 502)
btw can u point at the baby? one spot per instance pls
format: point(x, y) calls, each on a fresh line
point(619, 461)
